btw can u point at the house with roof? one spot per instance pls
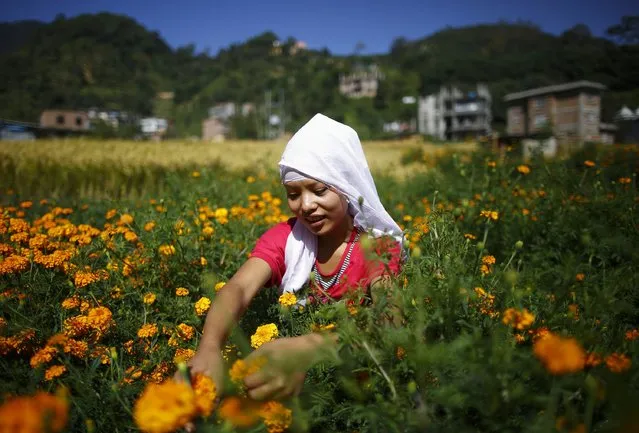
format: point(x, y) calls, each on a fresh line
point(570, 112)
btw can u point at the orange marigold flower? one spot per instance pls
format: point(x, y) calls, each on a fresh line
point(43, 356)
point(183, 355)
point(518, 319)
point(13, 264)
point(632, 335)
point(470, 236)
point(618, 363)
point(523, 169)
point(489, 214)
point(147, 331)
point(38, 413)
point(580, 277)
point(110, 214)
point(624, 180)
point(185, 331)
point(181, 291)
point(149, 226)
point(205, 393)
point(165, 407)
point(99, 318)
point(488, 260)
point(560, 355)
point(593, 359)
point(54, 371)
point(240, 412)
point(589, 163)
point(72, 302)
point(277, 417)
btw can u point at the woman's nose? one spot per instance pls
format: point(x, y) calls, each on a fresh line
point(308, 203)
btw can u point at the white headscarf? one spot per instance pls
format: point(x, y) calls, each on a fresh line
point(329, 151)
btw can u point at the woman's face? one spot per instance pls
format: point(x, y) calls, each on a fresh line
point(316, 205)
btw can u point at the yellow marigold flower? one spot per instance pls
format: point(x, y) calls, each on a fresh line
point(589, 163)
point(407, 218)
point(202, 306)
point(288, 299)
point(147, 331)
point(484, 269)
point(219, 285)
point(618, 363)
point(33, 414)
point(185, 331)
point(243, 368)
point(165, 407)
point(264, 334)
point(195, 174)
point(203, 261)
point(125, 219)
point(208, 231)
point(116, 293)
point(322, 328)
point(183, 355)
point(523, 169)
point(470, 236)
point(518, 319)
point(250, 179)
point(167, 250)
point(110, 214)
point(149, 226)
point(181, 291)
point(491, 164)
point(149, 298)
point(205, 394)
point(277, 417)
point(560, 355)
point(54, 371)
point(240, 412)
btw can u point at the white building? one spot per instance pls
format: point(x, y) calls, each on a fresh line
point(153, 126)
point(452, 114)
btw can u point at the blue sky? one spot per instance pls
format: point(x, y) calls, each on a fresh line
point(336, 25)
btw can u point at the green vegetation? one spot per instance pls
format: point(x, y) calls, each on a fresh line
point(112, 62)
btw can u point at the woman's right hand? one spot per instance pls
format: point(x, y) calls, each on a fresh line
point(210, 363)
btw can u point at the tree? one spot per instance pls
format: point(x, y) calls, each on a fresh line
point(627, 31)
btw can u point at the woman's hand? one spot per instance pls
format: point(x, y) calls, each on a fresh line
point(288, 360)
point(209, 362)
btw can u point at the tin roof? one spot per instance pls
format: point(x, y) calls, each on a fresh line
point(554, 89)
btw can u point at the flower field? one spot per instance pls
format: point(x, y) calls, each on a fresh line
point(518, 304)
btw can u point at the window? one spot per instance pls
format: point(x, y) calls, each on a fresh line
point(540, 120)
point(78, 121)
point(59, 119)
point(539, 102)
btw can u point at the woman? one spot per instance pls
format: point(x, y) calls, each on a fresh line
point(333, 198)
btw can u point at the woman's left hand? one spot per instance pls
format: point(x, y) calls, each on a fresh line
point(283, 376)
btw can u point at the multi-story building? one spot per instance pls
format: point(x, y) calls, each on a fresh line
point(363, 82)
point(571, 112)
point(452, 114)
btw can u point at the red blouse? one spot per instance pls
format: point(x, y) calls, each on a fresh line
point(361, 271)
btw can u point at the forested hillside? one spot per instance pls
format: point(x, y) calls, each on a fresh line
point(111, 61)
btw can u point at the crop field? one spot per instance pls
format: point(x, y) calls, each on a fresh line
point(519, 298)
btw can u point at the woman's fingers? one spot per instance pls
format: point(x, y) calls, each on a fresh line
point(266, 391)
point(256, 380)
